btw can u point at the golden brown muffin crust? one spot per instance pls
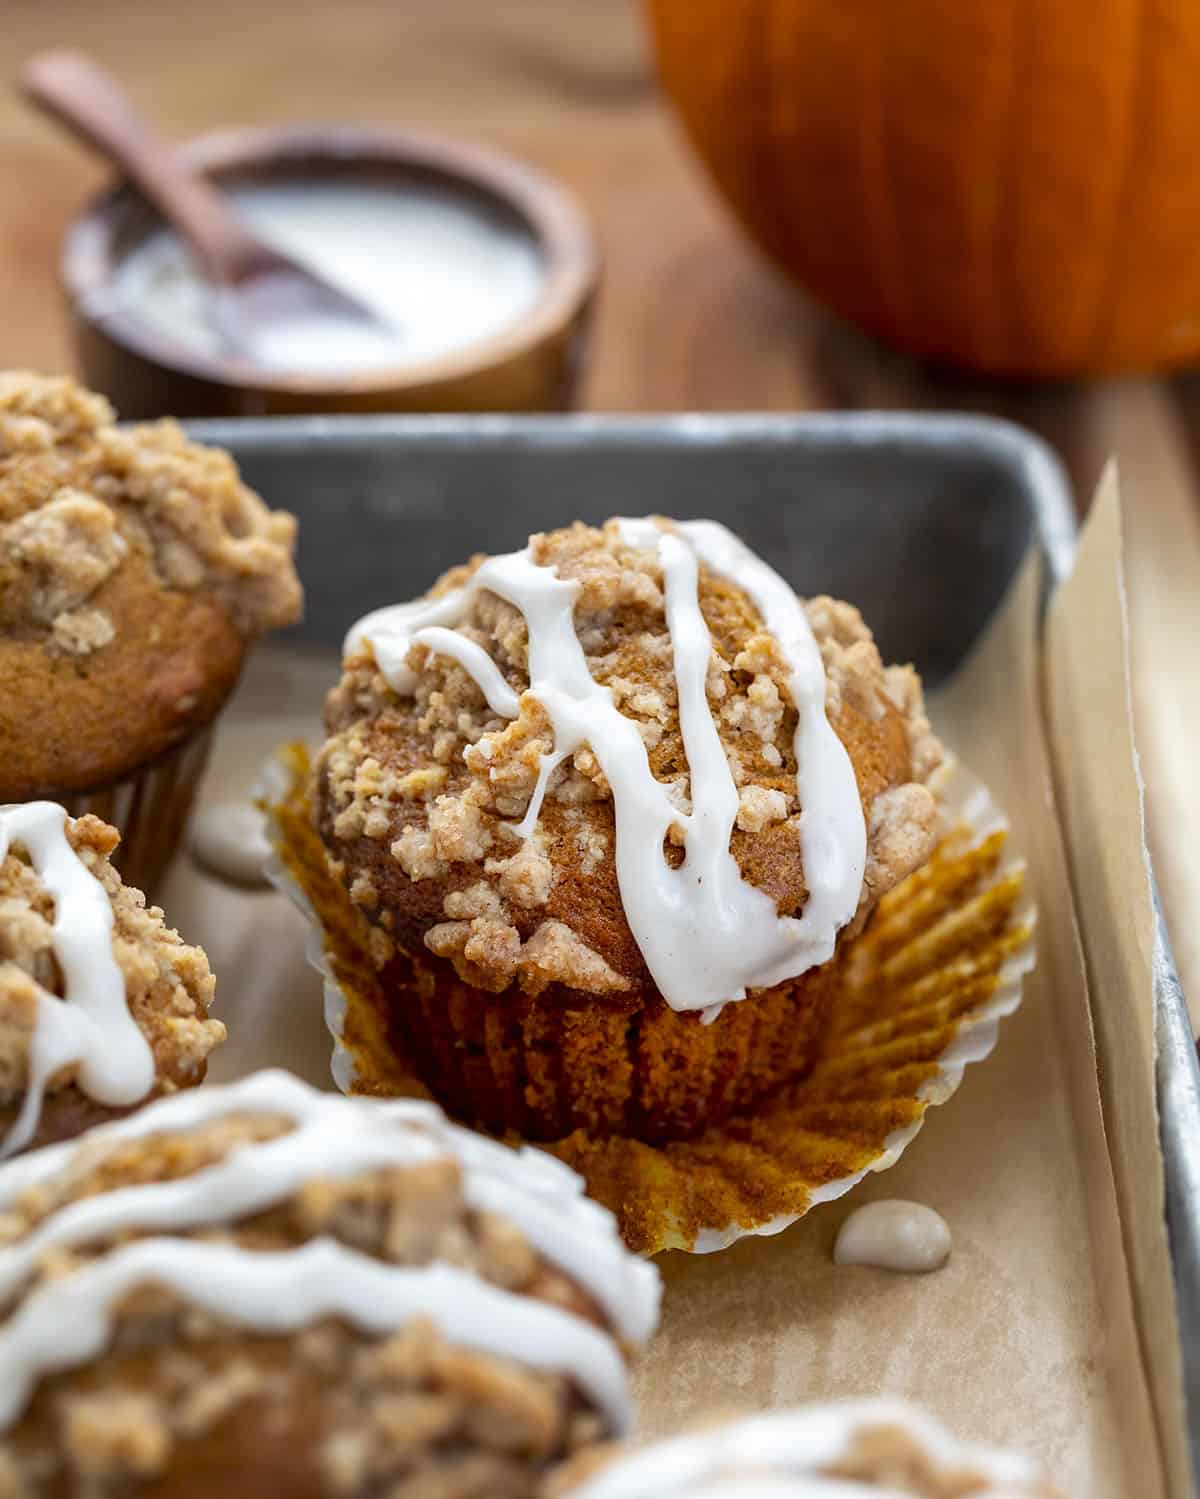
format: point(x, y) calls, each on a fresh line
point(135, 567)
point(182, 1403)
point(169, 985)
point(415, 794)
point(70, 721)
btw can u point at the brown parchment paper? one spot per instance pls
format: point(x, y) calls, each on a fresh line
point(1100, 791)
point(1029, 1336)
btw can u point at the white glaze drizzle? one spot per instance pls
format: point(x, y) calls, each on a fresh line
point(91, 1026)
point(833, 833)
point(69, 1321)
point(333, 1137)
point(390, 631)
point(476, 662)
point(707, 935)
point(892, 1234)
point(771, 1486)
point(793, 1445)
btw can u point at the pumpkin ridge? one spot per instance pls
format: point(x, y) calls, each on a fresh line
point(1004, 268)
point(1013, 195)
point(1137, 91)
point(879, 195)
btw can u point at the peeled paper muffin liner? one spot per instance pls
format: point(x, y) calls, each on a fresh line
point(149, 808)
point(920, 994)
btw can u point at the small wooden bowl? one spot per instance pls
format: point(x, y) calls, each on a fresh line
point(532, 366)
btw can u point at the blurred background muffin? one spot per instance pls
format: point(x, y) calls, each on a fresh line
point(102, 1005)
point(814, 1451)
point(135, 571)
point(564, 882)
point(265, 1288)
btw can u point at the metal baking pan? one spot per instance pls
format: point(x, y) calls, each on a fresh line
point(844, 503)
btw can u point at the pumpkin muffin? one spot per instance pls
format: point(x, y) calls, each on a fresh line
point(266, 1289)
point(135, 571)
point(851, 1448)
point(102, 1005)
point(562, 796)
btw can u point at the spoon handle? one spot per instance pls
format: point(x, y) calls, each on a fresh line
point(79, 93)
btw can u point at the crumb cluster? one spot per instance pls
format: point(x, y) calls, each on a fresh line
point(407, 1415)
point(168, 984)
point(81, 497)
point(418, 795)
point(891, 1458)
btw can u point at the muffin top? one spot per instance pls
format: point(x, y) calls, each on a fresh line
point(134, 567)
point(623, 759)
point(97, 994)
point(410, 1289)
point(834, 1451)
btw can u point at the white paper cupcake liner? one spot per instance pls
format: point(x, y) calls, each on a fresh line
point(149, 808)
point(271, 786)
point(964, 802)
point(968, 812)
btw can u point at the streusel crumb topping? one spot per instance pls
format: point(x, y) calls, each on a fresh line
point(436, 780)
point(403, 1413)
point(891, 1458)
point(169, 985)
point(79, 495)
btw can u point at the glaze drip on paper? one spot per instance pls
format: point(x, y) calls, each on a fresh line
point(892, 1234)
point(229, 840)
point(90, 1027)
point(706, 934)
point(70, 1320)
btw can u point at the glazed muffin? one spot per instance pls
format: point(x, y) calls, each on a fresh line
point(815, 1452)
point(607, 811)
point(135, 571)
point(102, 1005)
point(262, 1288)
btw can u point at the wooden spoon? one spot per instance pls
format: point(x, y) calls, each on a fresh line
point(254, 285)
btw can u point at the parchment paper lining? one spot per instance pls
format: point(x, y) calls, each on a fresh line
point(1100, 789)
point(923, 992)
point(1028, 1336)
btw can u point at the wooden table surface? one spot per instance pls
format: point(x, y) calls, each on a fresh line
point(690, 317)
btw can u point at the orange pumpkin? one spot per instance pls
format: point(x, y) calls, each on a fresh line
point(1010, 187)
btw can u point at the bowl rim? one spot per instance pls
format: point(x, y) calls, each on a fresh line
point(553, 216)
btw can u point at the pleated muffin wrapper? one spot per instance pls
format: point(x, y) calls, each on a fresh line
point(149, 808)
point(918, 995)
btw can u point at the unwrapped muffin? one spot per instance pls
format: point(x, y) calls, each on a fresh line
point(836, 1451)
point(265, 1289)
point(102, 1005)
point(135, 571)
point(607, 809)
